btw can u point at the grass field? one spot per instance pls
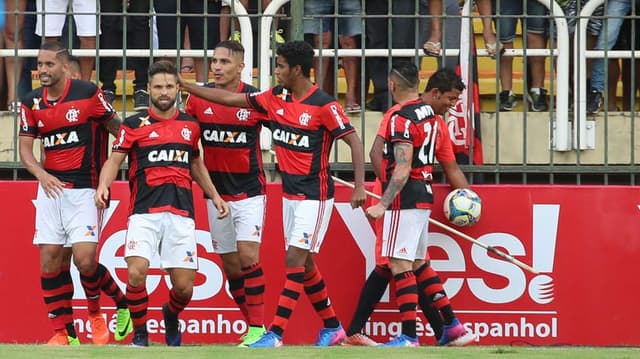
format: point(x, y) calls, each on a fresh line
point(307, 352)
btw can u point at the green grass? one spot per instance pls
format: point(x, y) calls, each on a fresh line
point(306, 352)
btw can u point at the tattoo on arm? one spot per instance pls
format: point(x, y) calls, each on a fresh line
point(113, 125)
point(403, 153)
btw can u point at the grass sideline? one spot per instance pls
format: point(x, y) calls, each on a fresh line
point(216, 351)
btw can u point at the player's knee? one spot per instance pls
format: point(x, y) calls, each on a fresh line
point(86, 264)
point(184, 289)
point(136, 275)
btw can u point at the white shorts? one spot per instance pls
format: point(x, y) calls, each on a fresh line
point(305, 222)
point(68, 219)
point(244, 223)
point(169, 235)
point(405, 234)
point(84, 15)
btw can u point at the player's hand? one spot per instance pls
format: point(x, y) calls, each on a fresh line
point(221, 206)
point(51, 185)
point(101, 197)
point(182, 82)
point(376, 211)
point(358, 197)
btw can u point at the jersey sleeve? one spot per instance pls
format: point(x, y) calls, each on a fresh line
point(260, 100)
point(191, 104)
point(444, 147)
point(335, 120)
point(400, 129)
point(28, 125)
point(103, 111)
point(125, 140)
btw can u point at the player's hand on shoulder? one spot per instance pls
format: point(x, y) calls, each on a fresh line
point(51, 185)
point(358, 197)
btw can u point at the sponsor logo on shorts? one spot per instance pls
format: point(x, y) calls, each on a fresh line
point(131, 245)
point(257, 231)
point(306, 237)
point(189, 257)
point(402, 250)
point(90, 231)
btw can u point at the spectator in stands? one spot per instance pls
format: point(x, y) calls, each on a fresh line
point(225, 22)
point(29, 41)
point(137, 21)
point(614, 10)
point(630, 67)
point(191, 16)
point(84, 13)
point(320, 24)
point(11, 39)
point(377, 37)
point(533, 22)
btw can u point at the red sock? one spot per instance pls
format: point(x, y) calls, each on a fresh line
point(407, 298)
point(236, 287)
point(138, 301)
point(316, 290)
point(288, 299)
point(254, 293)
point(91, 285)
point(177, 303)
point(429, 283)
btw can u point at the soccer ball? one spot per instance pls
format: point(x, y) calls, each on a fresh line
point(462, 207)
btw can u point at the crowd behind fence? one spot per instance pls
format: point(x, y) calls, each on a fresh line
point(532, 80)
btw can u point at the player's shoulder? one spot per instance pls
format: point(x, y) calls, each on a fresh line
point(79, 89)
point(247, 88)
point(416, 111)
point(137, 120)
point(183, 116)
point(32, 97)
point(318, 98)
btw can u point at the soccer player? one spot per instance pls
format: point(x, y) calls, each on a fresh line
point(305, 122)
point(414, 139)
point(72, 118)
point(441, 93)
point(164, 159)
point(231, 146)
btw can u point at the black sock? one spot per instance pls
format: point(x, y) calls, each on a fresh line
point(370, 295)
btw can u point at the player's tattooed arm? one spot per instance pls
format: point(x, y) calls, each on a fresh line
point(403, 154)
point(113, 124)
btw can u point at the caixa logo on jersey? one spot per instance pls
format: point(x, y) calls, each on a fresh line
point(222, 136)
point(181, 156)
point(60, 139)
point(290, 138)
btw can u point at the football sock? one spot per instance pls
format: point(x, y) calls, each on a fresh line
point(254, 293)
point(288, 299)
point(407, 298)
point(91, 285)
point(110, 288)
point(370, 295)
point(138, 301)
point(431, 313)
point(177, 303)
point(429, 283)
point(317, 293)
point(56, 298)
point(236, 287)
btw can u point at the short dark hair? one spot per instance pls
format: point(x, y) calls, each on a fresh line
point(407, 74)
point(233, 46)
point(445, 80)
point(297, 53)
point(75, 60)
point(61, 51)
point(163, 67)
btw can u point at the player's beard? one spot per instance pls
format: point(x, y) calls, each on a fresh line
point(163, 106)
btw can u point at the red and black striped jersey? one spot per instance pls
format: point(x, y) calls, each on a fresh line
point(416, 123)
point(160, 154)
point(231, 145)
point(303, 133)
point(74, 140)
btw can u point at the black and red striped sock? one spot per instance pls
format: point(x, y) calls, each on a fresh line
point(55, 292)
point(370, 295)
point(429, 283)
point(317, 292)
point(236, 287)
point(177, 303)
point(138, 302)
point(91, 285)
point(110, 287)
point(288, 299)
point(254, 294)
point(407, 298)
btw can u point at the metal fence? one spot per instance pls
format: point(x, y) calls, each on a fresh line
point(562, 145)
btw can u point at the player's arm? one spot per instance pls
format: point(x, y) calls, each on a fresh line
point(113, 124)
point(357, 159)
point(51, 185)
point(375, 155)
point(454, 174)
point(216, 95)
point(403, 153)
point(200, 174)
point(108, 174)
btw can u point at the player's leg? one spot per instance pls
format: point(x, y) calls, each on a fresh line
point(56, 283)
point(178, 256)
point(431, 313)
point(249, 223)
point(141, 243)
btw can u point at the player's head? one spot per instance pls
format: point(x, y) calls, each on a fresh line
point(74, 68)
point(53, 63)
point(403, 77)
point(163, 85)
point(295, 59)
point(227, 62)
point(443, 90)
